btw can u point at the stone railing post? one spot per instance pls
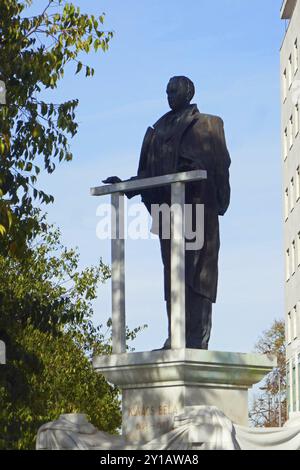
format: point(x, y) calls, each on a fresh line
point(118, 274)
point(177, 266)
point(2, 353)
point(177, 182)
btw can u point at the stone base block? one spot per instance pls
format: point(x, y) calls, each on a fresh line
point(156, 386)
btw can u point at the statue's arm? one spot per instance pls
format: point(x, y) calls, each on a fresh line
point(116, 180)
point(222, 165)
point(112, 180)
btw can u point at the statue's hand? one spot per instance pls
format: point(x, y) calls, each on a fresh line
point(112, 180)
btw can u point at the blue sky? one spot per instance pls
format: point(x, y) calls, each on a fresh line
point(230, 49)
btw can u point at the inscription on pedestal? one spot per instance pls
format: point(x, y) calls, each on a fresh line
point(146, 420)
point(148, 410)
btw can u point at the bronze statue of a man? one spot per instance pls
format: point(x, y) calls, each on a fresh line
point(184, 140)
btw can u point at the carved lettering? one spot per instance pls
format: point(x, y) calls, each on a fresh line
point(163, 409)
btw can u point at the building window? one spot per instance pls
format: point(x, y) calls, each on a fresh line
point(290, 71)
point(287, 264)
point(288, 383)
point(286, 203)
point(296, 56)
point(289, 329)
point(293, 258)
point(284, 85)
point(299, 380)
point(292, 194)
point(291, 131)
point(294, 386)
point(295, 331)
point(285, 143)
point(296, 119)
point(298, 183)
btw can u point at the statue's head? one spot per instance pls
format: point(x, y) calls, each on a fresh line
point(180, 91)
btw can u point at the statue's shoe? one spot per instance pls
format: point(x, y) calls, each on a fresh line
point(202, 347)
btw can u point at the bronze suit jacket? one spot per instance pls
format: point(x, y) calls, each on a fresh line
point(185, 141)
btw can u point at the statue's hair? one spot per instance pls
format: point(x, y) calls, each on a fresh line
point(190, 87)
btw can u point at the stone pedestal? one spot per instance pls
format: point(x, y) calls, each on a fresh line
point(158, 385)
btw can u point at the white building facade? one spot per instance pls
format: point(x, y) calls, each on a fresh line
point(290, 130)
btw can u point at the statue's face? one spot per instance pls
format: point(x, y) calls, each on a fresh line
point(177, 95)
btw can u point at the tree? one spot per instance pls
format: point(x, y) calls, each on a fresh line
point(48, 375)
point(271, 406)
point(34, 53)
point(45, 321)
